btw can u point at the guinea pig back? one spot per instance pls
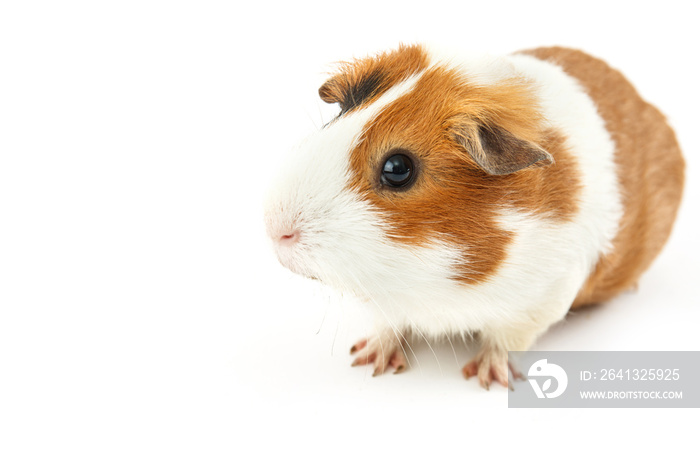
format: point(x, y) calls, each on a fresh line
point(649, 167)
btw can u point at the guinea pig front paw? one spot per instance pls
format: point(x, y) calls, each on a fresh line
point(489, 365)
point(384, 351)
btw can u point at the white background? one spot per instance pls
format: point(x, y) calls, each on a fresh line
point(143, 317)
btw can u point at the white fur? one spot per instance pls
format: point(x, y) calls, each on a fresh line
point(344, 241)
point(477, 68)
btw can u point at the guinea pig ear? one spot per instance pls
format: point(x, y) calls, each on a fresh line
point(330, 92)
point(336, 91)
point(498, 151)
point(352, 90)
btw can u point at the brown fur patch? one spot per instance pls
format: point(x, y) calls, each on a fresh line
point(453, 199)
point(359, 83)
point(650, 172)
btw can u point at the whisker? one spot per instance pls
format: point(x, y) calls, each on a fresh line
point(323, 319)
point(337, 326)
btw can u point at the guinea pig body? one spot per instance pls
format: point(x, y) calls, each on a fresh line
point(462, 195)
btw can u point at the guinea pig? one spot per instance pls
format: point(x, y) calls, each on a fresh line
point(474, 195)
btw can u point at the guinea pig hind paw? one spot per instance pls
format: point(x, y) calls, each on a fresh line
point(488, 367)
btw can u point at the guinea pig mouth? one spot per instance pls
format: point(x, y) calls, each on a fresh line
point(289, 263)
point(294, 265)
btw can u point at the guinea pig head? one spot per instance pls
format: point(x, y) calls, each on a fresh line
point(401, 189)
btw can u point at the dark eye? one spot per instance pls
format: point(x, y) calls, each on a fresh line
point(397, 171)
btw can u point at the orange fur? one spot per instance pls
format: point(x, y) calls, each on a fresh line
point(453, 199)
point(371, 76)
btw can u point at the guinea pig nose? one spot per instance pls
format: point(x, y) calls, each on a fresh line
point(289, 238)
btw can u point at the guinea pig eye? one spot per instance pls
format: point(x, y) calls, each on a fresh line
point(397, 171)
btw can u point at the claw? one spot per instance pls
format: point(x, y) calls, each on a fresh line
point(488, 366)
point(470, 369)
point(358, 346)
point(516, 374)
point(383, 351)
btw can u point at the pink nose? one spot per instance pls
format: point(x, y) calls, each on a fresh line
point(289, 238)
